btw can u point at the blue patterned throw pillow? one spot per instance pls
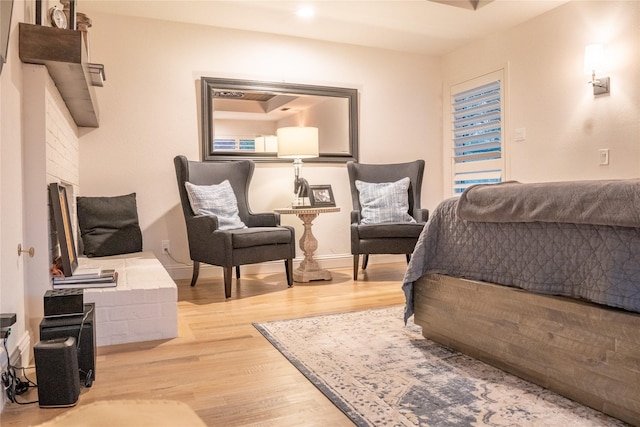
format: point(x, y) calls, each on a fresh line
point(384, 202)
point(218, 200)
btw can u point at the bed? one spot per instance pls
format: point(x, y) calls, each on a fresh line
point(541, 280)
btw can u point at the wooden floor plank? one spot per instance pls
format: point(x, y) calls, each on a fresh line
point(220, 365)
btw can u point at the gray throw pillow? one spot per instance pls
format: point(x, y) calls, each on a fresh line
point(109, 225)
point(384, 202)
point(218, 200)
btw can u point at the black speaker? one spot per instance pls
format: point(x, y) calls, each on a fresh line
point(82, 328)
point(57, 372)
point(63, 302)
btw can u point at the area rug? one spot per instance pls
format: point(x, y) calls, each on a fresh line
point(380, 372)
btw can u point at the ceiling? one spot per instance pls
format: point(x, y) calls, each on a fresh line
point(419, 26)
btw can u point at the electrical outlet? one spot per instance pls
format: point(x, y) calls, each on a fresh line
point(166, 247)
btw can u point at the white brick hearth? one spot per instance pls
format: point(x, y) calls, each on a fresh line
point(142, 307)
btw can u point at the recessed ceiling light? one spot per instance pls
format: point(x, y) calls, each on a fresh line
point(305, 12)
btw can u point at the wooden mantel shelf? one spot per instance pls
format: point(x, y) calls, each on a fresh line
point(65, 56)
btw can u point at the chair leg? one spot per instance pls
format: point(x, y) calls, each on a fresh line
point(196, 272)
point(237, 271)
point(365, 261)
point(227, 281)
point(356, 261)
point(288, 268)
point(408, 258)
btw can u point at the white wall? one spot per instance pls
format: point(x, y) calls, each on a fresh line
point(548, 94)
point(150, 113)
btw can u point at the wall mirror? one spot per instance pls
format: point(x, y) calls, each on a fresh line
point(240, 119)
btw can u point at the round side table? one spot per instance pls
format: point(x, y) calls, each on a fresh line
point(309, 270)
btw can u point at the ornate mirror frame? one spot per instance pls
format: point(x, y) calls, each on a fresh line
point(216, 88)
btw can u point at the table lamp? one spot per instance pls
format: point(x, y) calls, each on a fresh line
point(298, 143)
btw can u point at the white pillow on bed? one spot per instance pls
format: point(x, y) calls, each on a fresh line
point(384, 201)
point(218, 200)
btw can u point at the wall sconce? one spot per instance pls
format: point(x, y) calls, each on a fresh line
point(594, 63)
point(298, 143)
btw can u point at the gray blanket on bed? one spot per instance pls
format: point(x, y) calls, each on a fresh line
point(597, 263)
point(611, 202)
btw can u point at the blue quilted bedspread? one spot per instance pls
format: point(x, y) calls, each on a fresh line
point(598, 263)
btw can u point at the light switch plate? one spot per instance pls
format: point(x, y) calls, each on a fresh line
point(604, 156)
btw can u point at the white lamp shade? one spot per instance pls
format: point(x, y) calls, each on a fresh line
point(593, 59)
point(267, 143)
point(259, 144)
point(297, 142)
point(271, 144)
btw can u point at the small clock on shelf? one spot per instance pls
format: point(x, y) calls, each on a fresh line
point(58, 18)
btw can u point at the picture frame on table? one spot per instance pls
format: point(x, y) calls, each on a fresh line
point(321, 196)
point(63, 228)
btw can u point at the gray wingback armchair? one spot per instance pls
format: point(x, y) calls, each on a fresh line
point(263, 239)
point(387, 237)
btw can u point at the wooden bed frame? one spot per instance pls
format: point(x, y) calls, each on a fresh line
point(587, 352)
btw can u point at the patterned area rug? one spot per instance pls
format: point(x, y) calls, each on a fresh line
point(379, 372)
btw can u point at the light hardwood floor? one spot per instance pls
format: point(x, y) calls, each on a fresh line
point(220, 365)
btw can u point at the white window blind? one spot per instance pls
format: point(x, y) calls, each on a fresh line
point(234, 144)
point(477, 131)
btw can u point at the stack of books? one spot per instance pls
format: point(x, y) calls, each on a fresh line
point(87, 278)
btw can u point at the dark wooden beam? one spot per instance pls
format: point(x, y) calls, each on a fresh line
point(64, 54)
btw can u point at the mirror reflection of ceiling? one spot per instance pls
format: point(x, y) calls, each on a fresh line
point(248, 105)
point(418, 26)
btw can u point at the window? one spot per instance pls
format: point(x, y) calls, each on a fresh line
point(234, 144)
point(477, 132)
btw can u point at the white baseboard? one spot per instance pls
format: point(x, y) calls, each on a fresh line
point(181, 271)
point(19, 357)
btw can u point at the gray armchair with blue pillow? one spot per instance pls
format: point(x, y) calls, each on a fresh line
point(221, 228)
point(387, 217)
